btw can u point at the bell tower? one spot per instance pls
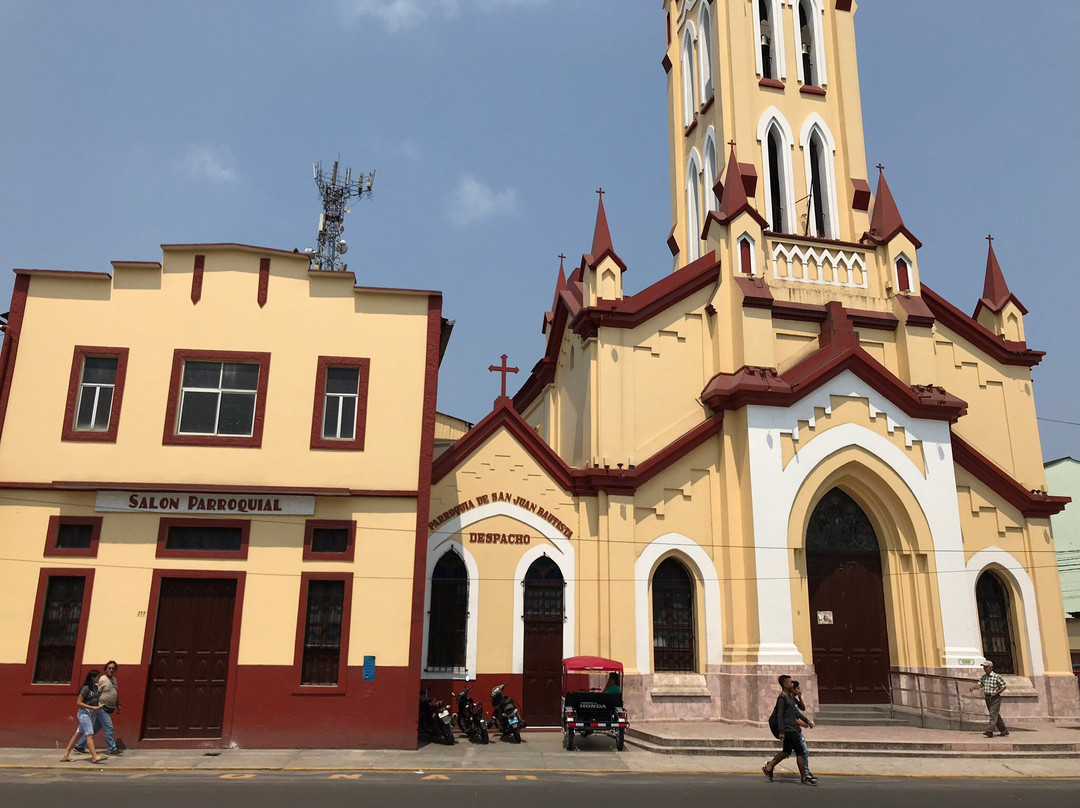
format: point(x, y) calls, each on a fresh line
point(775, 82)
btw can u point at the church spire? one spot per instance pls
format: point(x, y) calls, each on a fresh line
point(734, 199)
point(995, 290)
point(886, 221)
point(601, 243)
point(998, 309)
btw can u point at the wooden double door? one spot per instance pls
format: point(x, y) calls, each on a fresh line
point(848, 627)
point(190, 658)
point(542, 650)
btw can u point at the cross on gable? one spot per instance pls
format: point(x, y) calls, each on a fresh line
point(503, 369)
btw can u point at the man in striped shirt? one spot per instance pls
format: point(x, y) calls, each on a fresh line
point(992, 686)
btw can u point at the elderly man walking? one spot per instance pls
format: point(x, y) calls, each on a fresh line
point(992, 687)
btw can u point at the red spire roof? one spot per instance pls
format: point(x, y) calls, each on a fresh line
point(996, 291)
point(560, 286)
point(734, 200)
point(886, 221)
point(601, 243)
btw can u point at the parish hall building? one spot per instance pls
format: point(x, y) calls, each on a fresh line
point(788, 454)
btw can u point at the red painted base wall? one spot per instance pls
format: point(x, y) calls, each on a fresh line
point(265, 713)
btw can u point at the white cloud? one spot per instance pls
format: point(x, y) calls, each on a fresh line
point(204, 163)
point(474, 200)
point(398, 15)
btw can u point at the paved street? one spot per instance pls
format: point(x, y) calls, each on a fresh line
point(162, 789)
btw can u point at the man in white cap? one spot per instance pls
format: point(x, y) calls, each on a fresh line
point(992, 687)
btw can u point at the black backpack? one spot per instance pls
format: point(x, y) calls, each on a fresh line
point(774, 719)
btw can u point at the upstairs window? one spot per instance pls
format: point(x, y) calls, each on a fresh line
point(710, 171)
point(203, 538)
point(329, 540)
point(693, 209)
point(217, 399)
point(765, 39)
point(818, 212)
point(340, 409)
point(687, 63)
point(777, 180)
point(903, 276)
point(95, 390)
point(818, 149)
point(811, 67)
point(73, 536)
point(705, 54)
point(746, 255)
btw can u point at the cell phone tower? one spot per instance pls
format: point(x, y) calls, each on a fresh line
point(336, 192)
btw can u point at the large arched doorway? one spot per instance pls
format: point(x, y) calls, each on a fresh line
point(448, 615)
point(542, 651)
point(847, 604)
point(674, 637)
point(995, 624)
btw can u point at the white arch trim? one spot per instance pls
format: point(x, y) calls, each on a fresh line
point(978, 564)
point(817, 28)
point(705, 54)
point(693, 206)
point(775, 488)
point(812, 122)
point(706, 569)
point(709, 173)
point(688, 66)
point(437, 550)
point(777, 22)
point(770, 118)
point(560, 550)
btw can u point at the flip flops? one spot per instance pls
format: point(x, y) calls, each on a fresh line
point(100, 761)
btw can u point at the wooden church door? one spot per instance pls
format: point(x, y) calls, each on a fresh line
point(541, 689)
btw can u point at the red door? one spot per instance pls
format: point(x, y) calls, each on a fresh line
point(189, 662)
point(848, 628)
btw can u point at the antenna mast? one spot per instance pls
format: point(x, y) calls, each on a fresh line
point(336, 192)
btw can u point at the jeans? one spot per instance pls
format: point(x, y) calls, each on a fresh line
point(102, 720)
point(993, 707)
point(804, 751)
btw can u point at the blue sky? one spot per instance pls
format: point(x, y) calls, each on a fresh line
point(125, 125)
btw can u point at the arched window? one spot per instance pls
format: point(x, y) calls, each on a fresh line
point(778, 221)
point(903, 275)
point(449, 613)
point(746, 255)
point(693, 208)
point(765, 38)
point(811, 63)
point(818, 149)
point(544, 587)
point(995, 622)
point(689, 96)
point(705, 54)
point(674, 634)
point(710, 170)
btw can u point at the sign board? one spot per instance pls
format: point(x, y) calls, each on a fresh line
point(824, 618)
point(369, 668)
point(201, 503)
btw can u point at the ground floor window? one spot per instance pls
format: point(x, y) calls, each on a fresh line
point(449, 614)
point(324, 615)
point(61, 619)
point(674, 641)
point(995, 622)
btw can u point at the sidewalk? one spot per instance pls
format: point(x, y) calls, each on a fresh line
point(668, 747)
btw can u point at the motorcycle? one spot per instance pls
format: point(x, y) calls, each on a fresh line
point(505, 714)
point(435, 718)
point(470, 717)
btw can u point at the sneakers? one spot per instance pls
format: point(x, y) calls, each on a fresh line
point(115, 752)
point(766, 772)
point(1004, 735)
point(810, 780)
point(80, 751)
point(988, 734)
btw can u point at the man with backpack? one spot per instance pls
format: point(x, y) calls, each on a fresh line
point(784, 723)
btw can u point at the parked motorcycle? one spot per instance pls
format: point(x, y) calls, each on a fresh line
point(505, 714)
point(470, 717)
point(435, 718)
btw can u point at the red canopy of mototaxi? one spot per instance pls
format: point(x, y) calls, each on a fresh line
point(584, 664)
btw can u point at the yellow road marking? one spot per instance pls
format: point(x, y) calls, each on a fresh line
point(345, 776)
point(436, 777)
point(521, 777)
point(236, 776)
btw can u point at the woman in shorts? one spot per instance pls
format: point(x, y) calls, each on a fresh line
point(86, 703)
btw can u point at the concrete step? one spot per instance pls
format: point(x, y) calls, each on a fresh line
point(859, 715)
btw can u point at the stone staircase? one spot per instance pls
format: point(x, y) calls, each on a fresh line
point(861, 715)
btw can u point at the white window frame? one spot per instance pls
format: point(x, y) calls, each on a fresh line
point(770, 119)
point(687, 66)
point(340, 399)
point(777, 41)
point(693, 207)
point(97, 387)
point(219, 390)
point(812, 123)
point(753, 255)
point(706, 82)
point(817, 25)
point(710, 171)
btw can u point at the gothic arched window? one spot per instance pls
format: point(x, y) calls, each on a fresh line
point(818, 149)
point(674, 629)
point(689, 96)
point(819, 203)
point(903, 275)
point(710, 170)
point(995, 622)
point(746, 255)
point(809, 56)
point(449, 612)
point(705, 54)
point(778, 222)
point(765, 35)
point(693, 208)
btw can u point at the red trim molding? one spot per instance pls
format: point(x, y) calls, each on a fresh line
point(69, 431)
point(772, 84)
point(301, 625)
point(264, 280)
point(311, 525)
point(170, 437)
point(1034, 504)
point(982, 338)
point(10, 349)
point(360, 428)
point(72, 687)
point(53, 534)
point(811, 89)
point(197, 278)
point(168, 521)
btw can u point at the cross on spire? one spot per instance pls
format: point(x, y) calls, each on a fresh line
point(991, 240)
point(732, 144)
point(601, 191)
point(503, 369)
point(880, 168)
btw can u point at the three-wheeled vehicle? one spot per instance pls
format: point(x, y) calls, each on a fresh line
point(589, 704)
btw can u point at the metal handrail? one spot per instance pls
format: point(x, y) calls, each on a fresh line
point(953, 696)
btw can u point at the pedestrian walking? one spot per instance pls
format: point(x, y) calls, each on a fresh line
point(796, 692)
point(86, 704)
point(992, 687)
point(788, 715)
point(109, 699)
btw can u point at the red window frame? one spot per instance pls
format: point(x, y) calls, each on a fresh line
point(72, 687)
point(903, 275)
point(301, 627)
point(311, 525)
point(54, 531)
point(69, 432)
point(357, 442)
point(166, 522)
point(170, 437)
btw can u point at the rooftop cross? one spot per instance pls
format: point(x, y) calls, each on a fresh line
point(601, 191)
point(991, 240)
point(880, 168)
point(503, 369)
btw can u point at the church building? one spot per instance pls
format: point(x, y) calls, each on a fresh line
point(785, 456)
